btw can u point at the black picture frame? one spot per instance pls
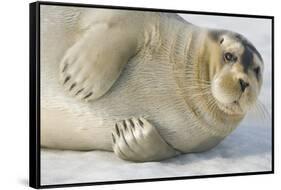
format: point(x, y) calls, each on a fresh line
point(34, 98)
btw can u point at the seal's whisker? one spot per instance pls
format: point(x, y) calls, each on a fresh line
point(263, 109)
point(199, 83)
point(256, 109)
point(212, 107)
point(197, 89)
point(260, 111)
point(201, 92)
point(192, 78)
point(198, 86)
point(198, 95)
point(210, 102)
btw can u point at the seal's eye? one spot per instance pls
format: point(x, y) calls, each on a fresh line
point(229, 57)
point(257, 71)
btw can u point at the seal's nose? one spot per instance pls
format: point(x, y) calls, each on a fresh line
point(243, 84)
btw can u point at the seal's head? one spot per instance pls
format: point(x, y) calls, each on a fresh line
point(236, 75)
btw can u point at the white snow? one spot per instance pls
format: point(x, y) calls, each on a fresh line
point(247, 149)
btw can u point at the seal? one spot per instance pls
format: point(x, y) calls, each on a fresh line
point(145, 85)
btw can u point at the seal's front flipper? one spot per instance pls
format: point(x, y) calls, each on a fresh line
point(91, 66)
point(137, 140)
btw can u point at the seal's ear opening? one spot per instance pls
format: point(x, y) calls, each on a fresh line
point(217, 35)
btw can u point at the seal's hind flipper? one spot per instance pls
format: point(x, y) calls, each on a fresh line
point(137, 140)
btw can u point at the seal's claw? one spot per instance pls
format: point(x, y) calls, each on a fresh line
point(137, 140)
point(113, 138)
point(117, 130)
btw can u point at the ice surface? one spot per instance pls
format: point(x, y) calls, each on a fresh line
point(247, 149)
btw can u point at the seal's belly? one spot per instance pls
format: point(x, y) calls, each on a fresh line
point(146, 88)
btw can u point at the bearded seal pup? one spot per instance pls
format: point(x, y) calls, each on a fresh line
point(145, 85)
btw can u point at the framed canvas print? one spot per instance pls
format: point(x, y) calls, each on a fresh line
point(121, 94)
